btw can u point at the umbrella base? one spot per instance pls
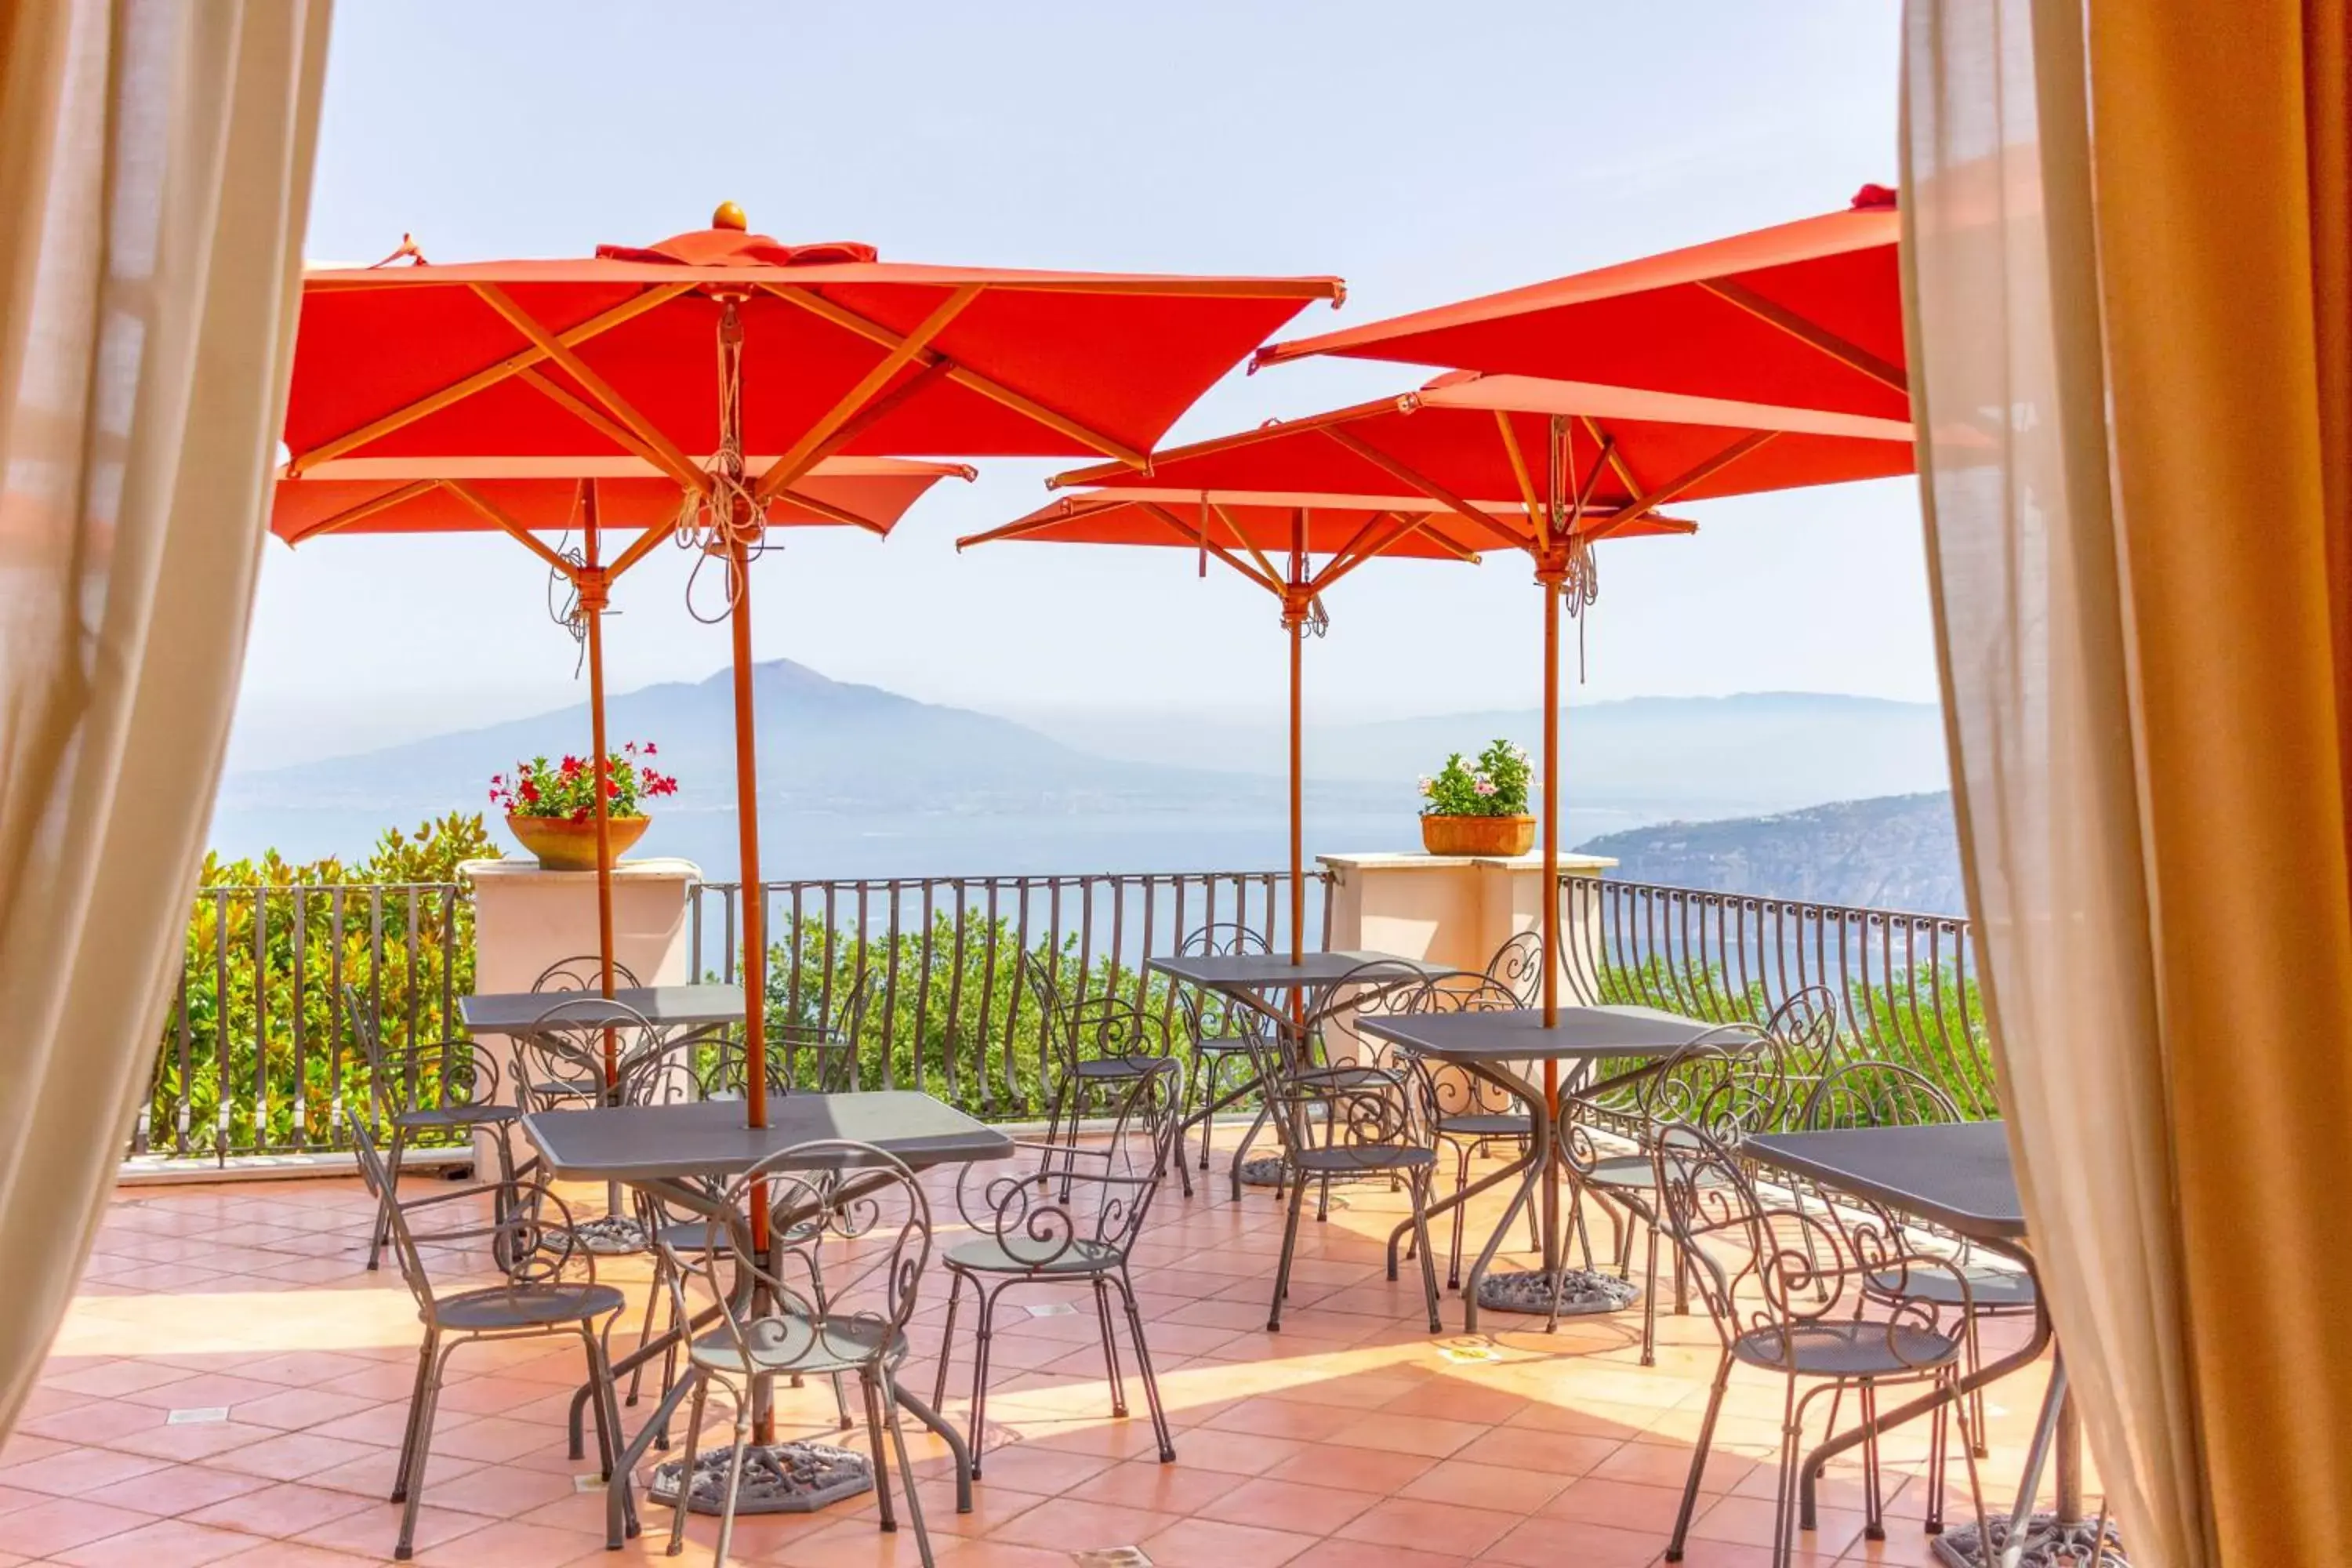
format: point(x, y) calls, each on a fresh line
point(611, 1236)
point(1582, 1292)
point(2047, 1544)
point(1263, 1172)
point(778, 1477)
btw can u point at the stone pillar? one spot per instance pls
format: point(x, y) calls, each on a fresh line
point(526, 919)
point(1455, 910)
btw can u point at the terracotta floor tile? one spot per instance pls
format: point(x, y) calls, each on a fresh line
point(1425, 1435)
point(62, 1524)
point(1069, 1525)
point(1145, 1483)
point(1354, 1469)
point(1339, 1554)
point(371, 1530)
point(77, 1470)
point(177, 1490)
point(172, 1542)
point(1286, 1505)
point(1429, 1526)
point(288, 1509)
point(1543, 1542)
point(508, 1544)
point(1209, 1544)
point(1049, 1471)
point(1486, 1486)
point(292, 1456)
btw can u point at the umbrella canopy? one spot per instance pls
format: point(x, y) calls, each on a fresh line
point(723, 341)
point(1272, 538)
point(1808, 314)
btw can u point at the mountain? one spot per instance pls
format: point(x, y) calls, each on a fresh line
point(1642, 758)
point(1896, 852)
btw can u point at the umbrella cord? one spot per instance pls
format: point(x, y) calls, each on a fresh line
point(711, 522)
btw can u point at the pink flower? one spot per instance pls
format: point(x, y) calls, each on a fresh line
point(1485, 786)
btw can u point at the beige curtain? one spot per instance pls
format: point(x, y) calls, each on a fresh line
point(154, 177)
point(2126, 262)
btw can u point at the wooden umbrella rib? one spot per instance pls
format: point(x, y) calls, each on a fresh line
point(1272, 430)
point(1192, 535)
point(367, 508)
point(1427, 487)
point(962, 374)
point(490, 376)
point(1696, 473)
point(620, 435)
point(497, 517)
point(530, 326)
point(1242, 538)
point(1617, 463)
point(805, 452)
point(1809, 332)
point(832, 513)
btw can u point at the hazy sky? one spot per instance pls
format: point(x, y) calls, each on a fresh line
point(1421, 151)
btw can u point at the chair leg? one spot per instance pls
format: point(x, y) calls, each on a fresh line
point(1110, 1348)
point(416, 1409)
point(686, 1475)
point(869, 1385)
point(1792, 1438)
point(906, 1467)
point(946, 1341)
point(1242, 1149)
point(645, 1332)
point(381, 1236)
point(1976, 1396)
point(1698, 1461)
point(734, 1475)
point(979, 1371)
point(1421, 1182)
point(420, 1453)
point(1289, 1243)
point(1874, 1517)
point(1939, 1457)
point(1143, 1364)
point(1650, 1299)
point(1453, 1249)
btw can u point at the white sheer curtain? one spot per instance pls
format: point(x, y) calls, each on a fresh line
point(2122, 257)
point(154, 178)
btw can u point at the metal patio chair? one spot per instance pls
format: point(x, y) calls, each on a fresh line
point(1348, 1121)
point(1799, 1295)
point(811, 1058)
point(1080, 1226)
point(584, 971)
point(864, 1212)
point(1869, 1093)
point(549, 1288)
point(1469, 1114)
point(1219, 1036)
point(1093, 1050)
point(441, 1088)
point(1732, 1081)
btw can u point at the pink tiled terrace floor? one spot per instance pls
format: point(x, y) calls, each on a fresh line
point(1351, 1439)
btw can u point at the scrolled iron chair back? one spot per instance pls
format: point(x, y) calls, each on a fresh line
point(675, 1071)
point(1810, 1024)
point(830, 1048)
point(1450, 1090)
point(1871, 1093)
point(529, 1233)
point(1093, 1195)
point(1056, 1045)
point(1771, 1272)
point(1218, 939)
point(420, 1076)
point(1698, 1083)
point(1380, 988)
point(1518, 967)
point(561, 1059)
point(845, 1214)
point(1113, 1028)
point(1314, 1105)
point(583, 972)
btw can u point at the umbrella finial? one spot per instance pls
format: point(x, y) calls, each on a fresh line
point(730, 216)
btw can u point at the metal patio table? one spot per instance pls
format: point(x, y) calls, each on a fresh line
point(1956, 1177)
point(1291, 995)
point(1491, 1045)
point(515, 1014)
point(672, 1151)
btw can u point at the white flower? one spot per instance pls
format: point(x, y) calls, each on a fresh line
point(1485, 786)
point(1428, 785)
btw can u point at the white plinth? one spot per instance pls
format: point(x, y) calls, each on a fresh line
point(1455, 910)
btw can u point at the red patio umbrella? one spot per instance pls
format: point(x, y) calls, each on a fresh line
point(527, 497)
point(1586, 463)
point(726, 343)
point(1272, 538)
point(1807, 314)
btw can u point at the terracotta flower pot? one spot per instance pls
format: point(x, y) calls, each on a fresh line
point(565, 846)
point(1477, 835)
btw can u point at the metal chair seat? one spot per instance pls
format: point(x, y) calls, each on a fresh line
point(1222, 1045)
point(1120, 1069)
point(1348, 1159)
point(988, 1255)
point(1847, 1349)
point(495, 1307)
point(795, 1344)
point(1989, 1290)
point(1483, 1124)
point(438, 1118)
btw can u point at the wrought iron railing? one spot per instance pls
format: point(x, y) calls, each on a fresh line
point(1907, 982)
point(947, 1010)
point(257, 1055)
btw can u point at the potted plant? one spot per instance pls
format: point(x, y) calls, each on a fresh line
point(1479, 807)
point(551, 806)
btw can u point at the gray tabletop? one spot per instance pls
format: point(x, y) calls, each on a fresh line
point(1957, 1175)
point(709, 1138)
point(1275, 972)
point(1591, 1034)
point(518, 1012)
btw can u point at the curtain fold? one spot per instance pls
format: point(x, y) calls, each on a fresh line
point(154, 180)
point(2126, 268)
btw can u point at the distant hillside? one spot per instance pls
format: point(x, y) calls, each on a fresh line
point(1894, 852)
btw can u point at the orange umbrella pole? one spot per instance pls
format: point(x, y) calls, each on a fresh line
point(1295, 622)
point(747, 815)
point(591, 583)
